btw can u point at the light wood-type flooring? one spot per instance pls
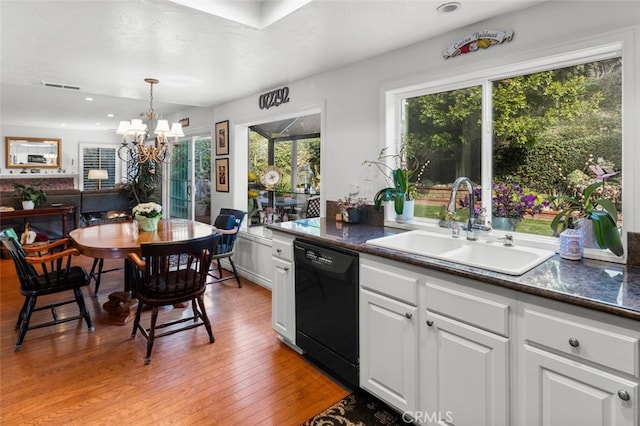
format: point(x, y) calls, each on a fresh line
point(65, 375)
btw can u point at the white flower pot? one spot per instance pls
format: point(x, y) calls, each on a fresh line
point(407, 212)
point(28, 205)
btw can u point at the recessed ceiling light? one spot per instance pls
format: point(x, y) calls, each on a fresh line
point(88, 99)
point(98, 124)
point(110, 115)
point(63, 125)
point(448, 7)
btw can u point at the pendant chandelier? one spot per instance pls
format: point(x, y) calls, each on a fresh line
point(137, 146)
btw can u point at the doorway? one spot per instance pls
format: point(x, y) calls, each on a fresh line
point(284, 168)
point(190, 179)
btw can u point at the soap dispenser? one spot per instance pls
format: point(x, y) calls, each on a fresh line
point(571, 242)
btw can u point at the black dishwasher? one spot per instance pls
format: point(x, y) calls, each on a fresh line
point(327, 308)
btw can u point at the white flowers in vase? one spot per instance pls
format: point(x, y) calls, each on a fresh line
point(148, 210)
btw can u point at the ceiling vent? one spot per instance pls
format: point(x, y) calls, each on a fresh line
point(61, 86)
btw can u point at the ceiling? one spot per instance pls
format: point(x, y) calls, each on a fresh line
point(106, 48)
point(303, 127)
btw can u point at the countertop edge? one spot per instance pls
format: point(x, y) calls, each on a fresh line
point(501, 280)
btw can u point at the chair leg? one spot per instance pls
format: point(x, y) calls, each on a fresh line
point(196, 311)
point(22, 311)
point(99, 263)
point(83, 308)
point(30, 305)
point(136, 321)
point(152, 333)
point(235, 272)
point(219, 268)
point(205, 318)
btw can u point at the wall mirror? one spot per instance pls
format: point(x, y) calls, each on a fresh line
point(38, 153)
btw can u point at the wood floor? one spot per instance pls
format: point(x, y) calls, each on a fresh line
point(65, 375)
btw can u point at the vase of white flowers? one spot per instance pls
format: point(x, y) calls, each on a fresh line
point(148, 215)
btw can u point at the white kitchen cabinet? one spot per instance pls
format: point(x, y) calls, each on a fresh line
point(578, 367)
point(389, 333)
point(283, 310)
point(466, 358)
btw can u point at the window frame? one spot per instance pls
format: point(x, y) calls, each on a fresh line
point(393, 125)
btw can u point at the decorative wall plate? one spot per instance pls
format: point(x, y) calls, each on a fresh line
point(478, 40)
point(270, 177)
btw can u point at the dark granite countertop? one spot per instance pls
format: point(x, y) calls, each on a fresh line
point(604, 286)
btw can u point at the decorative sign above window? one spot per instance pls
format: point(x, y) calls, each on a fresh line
point(478, 40)
point(274, 98)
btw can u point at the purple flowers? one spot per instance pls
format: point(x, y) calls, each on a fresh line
point(510, 200)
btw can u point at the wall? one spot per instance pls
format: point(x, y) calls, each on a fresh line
point(351, 98)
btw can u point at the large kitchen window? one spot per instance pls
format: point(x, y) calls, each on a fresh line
point(525, 139)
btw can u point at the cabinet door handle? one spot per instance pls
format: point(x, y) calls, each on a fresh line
point(429, 323)
point(279, 251)
point(408, 315)
point(574, 342)
point(624, 395)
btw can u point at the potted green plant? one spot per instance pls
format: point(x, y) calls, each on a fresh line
point(601, 212)
point(401, 191)
point(30, 196)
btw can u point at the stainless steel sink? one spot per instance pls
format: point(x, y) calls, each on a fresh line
point(492, 256)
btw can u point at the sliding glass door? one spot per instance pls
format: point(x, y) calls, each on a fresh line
point(190, 179)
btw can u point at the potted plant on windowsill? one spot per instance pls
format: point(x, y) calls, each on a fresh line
point(30, 196)
point(401, 190)
point(600, 212)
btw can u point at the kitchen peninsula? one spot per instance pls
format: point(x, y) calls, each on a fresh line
point(603, 286)
point(561, 341)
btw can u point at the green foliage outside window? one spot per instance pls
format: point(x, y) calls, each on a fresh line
point(546, 125)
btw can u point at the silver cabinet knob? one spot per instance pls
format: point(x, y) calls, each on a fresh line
point(408, 315)
point(429, 323)
point(279, 251)
point(624, 395)
point(286, 268)
point(574, 342)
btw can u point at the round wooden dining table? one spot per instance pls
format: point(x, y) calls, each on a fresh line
point(117, 240)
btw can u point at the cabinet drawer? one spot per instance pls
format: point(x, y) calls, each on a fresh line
point(580, 337)
point(465, 306)
point(282, 249)
point(389, 280)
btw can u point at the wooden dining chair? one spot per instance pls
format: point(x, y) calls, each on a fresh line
point(168, 274)
point(227, 224)
point(45, 270)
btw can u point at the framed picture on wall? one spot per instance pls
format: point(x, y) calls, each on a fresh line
point(222, 175)
point(222, 138)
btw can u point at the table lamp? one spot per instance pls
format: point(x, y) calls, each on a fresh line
point(98, 174)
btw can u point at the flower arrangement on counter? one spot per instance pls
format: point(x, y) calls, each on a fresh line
point(148, 210)
point(351, 203)
point(351, 209)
